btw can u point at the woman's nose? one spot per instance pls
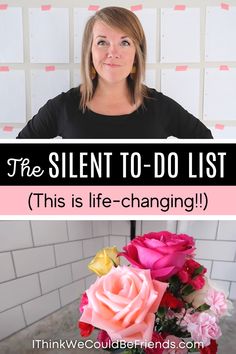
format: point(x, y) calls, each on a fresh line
point(113, 52)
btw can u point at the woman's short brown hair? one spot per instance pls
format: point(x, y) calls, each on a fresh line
point(127, 21)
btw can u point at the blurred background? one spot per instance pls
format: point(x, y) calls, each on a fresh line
point(191, 55)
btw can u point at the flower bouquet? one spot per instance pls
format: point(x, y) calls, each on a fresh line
point(161, 303)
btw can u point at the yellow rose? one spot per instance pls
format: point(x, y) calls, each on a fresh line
point(104, 260)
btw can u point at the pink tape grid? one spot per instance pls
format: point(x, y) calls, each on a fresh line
point(50, 68)
point(224, 67)
point(3, 6)
point(181, 68)
point(7, 128)
point(136, 7)
point(224, 6)
point(93, 7)
point(219, 126)
point(46, 7)
point(180, 7)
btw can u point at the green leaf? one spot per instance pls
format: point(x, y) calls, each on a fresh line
point(188, 289)
point(161, 312)
point(198, 271)
point(203, 307)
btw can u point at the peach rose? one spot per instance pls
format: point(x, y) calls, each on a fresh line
point(123, 303)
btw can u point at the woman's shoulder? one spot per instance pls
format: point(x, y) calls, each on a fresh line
point(157, 95)
point(72, 93)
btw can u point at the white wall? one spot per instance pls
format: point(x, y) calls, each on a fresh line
point(43, 267)
point(28, 83)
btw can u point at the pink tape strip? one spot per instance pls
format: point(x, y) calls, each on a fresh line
point(4, 68)
point(180, 7)
point(3, 6)
point(46, 7)
point(224, 67)
point(224, 6)
point(181, 68)
point(219, 126)
point(50, 68)
point(93, 7)
point(7, 128)
point(136, 7)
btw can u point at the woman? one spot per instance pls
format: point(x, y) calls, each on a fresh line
point(112, 101)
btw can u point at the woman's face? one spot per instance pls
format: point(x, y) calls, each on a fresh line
point(112, 53)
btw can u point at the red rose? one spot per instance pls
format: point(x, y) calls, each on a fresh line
point(170, 301)
point(192, 273)
point(157, 348)
point(162, 252)
point(83, 302)
point(85, 328)
point(104, 338)
point(197, 282)
point(210, 349)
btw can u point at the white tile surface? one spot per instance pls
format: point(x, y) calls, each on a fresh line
point(217, 250)
point(80, 269)
point(33, 260)
point(101, 228)
point(156, 226)
point(48, 232)
point(221, 285)
point(71, 292)
point(55, 278)
point(15, 235)
point(198, 229)
point(120, 228)
point(206, 264)
point(17, 291)
point(68, 252)
point(40, 307)
point(232, 294)
point(106, 241)
point(92, 246)
point(11, 321)
point(90, 280)
point(227, 230)
point(119, 242)
point(6, 267)
point(224, 271)
point(79, 230)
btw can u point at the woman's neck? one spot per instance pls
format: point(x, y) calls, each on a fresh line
point(116, 91)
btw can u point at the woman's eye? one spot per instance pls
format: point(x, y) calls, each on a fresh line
point(125, 43)
point(101, 43)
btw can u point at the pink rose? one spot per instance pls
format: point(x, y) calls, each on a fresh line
point(203, 327)
point(162, 252)
point(123, 303)
point(176, 345)
point(217, 302)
